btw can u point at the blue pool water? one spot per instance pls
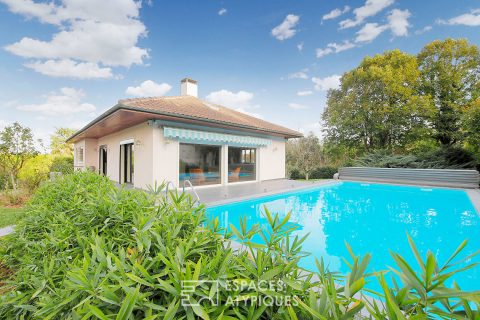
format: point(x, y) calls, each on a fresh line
point(372, 218)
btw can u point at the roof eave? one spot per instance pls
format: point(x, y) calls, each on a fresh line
point(121, 106)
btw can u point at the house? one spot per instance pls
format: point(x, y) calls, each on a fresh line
point(146, 140)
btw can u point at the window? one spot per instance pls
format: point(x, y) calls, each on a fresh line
point(102, 154)
point(242, 164)
point(80, 155)
point(200, 164)
point(126, 163)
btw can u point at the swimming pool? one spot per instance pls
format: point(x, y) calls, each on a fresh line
point(372, 218)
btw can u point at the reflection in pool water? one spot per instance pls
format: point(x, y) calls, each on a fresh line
point(372, 218)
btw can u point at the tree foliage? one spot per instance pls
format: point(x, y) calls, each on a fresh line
point(16, 147)
point(58, 142)
point(405, 104)
point(450, 77)
point(305, 154)
point(377, 105)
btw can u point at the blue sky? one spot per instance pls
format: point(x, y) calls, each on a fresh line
point(64, 62)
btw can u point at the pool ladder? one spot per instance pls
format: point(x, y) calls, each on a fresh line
point(169, 183)
point(193, 190)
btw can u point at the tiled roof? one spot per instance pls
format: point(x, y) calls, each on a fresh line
point(193, 107)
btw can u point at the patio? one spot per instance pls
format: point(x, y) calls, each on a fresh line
point(217, 195)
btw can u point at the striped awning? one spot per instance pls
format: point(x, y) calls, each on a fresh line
point(197, 136)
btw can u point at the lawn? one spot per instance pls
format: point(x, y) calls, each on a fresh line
point(9, 216)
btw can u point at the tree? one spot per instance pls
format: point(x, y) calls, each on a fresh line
point(471, 121)
point(377, 105)
point(16, 147)
point(305, 154)
point(450, 76)
point(58, 142)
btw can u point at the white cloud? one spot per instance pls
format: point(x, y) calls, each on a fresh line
point(323, 52)
point(222, 11)
point(398, 22)
point(334, 48)
point(423, 30)
point(241, 99)
point(297, 106)
point(369, 9)
point(69, 101)
point(70, 68)
point(335, 13)
point(369, 32)
point(300, 46)
point(302, 74)
point(149, 88)
point(304, 93)
point(327, 83)
point(286, 29)
point(313, 127)
point(96, 32)
point(471, 19)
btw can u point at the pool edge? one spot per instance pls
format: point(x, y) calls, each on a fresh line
point(270, 193)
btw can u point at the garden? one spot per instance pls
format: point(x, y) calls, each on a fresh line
point(25, 165)
point(398, 110)
point(89, 250)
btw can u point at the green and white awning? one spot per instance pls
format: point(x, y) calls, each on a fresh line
point(197, 136)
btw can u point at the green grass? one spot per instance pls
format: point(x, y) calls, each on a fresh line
point(9, 216)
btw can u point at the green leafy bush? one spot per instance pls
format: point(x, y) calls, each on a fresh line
point(35, 171)
point(89, 250)
point(63, 164)
point(324, 173)
point(442, 158)
point(318, 173)
point(295, 174)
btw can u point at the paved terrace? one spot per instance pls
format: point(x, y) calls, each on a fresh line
point(216, 195)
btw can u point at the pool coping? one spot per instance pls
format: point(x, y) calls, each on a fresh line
point(270, 193)
point(473, 194)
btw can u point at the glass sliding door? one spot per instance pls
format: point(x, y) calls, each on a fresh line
point(126, 163)
point(242, 164)
point(200, 164)
point(102, 153)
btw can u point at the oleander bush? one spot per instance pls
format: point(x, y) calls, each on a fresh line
point(89, 250)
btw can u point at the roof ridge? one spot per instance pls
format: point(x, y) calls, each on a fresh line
point(153, 98)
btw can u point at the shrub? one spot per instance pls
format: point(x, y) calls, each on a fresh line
point(87, 249)
point(324, 173)
point(442, 158)
point(35, 171)
point(295, 174)
point(63, 164)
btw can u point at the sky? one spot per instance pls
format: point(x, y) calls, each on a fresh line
point(64, 62)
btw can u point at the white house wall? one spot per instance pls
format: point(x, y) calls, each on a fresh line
point(156, 159)
point(165, 158)
point(142, 136)
point(272, 160)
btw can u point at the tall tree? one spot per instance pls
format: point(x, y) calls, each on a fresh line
point(58, 142)
point(450, 76)
point(377, 105)
point(16, 147)
point(305, 154)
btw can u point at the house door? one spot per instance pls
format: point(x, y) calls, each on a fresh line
point(126, 163)
point(103, 160)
